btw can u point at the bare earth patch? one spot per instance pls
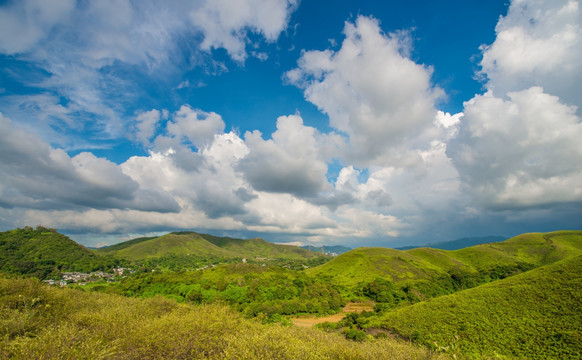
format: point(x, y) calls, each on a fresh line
point(309, 321)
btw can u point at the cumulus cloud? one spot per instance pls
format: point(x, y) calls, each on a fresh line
point(370, 89)
point(35, 175)
point(518, 144)
point(538, 43)
point(288, 162)
point(195, 126)
point(146, 123)
point(212, 187)
point(520, 152)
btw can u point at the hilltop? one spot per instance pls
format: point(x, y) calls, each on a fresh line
point(203, 245)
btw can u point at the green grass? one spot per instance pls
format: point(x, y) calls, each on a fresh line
point(44, 253)
point(366, 264)
point(421, 264)
point(38, 322)
point(171, 244)
point(534, 315)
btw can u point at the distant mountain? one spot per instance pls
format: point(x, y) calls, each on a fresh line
point(43, 253)
point(459, 243)
point(423, 264)
point(192, 243)
point(328, 250)
point(534, 315)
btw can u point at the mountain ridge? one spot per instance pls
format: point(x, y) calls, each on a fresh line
point(197, 244)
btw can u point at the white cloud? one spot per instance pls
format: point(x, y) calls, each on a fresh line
point(225, 23)
point(196, 126)
point(524, 151)
point(518, 146)
point(538, 43)
point(212, 187)
point(370, 89)
point(287, 163)
point(88, 55)
point(35, 175)
point(25, 23)
point(146, 123)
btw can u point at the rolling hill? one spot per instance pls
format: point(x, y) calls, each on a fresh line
point(519, 253)
point(195, 244)
point(534, 315)
point(43, 253)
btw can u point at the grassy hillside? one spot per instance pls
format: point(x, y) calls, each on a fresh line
point(170, 244)
point(38, 322)
point(534, 315)
point(366, 264)
point(44, 253)
point(493, 260)
point(204, 245)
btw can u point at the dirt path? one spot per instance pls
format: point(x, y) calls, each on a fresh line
point(309, 321)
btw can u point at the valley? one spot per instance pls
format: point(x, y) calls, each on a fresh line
point(517, 298)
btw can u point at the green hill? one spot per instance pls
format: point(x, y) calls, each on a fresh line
point(367, 264)
point(204, 245)
point(169, 244)
point(44, 253)
point(495, 260)
point(534, 315)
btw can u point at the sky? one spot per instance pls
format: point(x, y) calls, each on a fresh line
point(361, 123)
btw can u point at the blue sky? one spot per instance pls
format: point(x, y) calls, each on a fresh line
point(337, 122)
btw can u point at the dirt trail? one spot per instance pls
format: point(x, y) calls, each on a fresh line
point(309, 321)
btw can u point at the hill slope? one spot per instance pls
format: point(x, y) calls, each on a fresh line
point(517, 254)
point(192, 243)
point(42, 253)
point(366, 264)
point(534, 315)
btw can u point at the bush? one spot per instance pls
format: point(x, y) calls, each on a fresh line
point(355, 334)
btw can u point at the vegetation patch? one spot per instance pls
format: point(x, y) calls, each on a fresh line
point(41, 322)
point(535, 315)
